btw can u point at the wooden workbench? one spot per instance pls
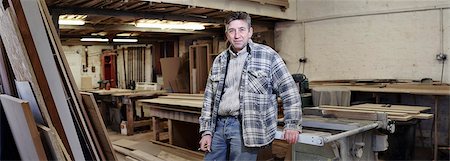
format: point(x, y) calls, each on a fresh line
point(182, 113)
point(119, 97)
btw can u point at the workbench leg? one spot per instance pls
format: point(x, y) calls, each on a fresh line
point(130, 119)
point(170, 131)
point(156, 128)
point(377, 98)
point(436, 125)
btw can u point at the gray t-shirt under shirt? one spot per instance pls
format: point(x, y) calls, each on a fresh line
point(229, 105)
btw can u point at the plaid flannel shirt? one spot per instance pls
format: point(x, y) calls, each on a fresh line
point(264, 77)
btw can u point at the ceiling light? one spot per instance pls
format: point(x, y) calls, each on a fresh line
point(125, 40)
point(71, 22)
point(169, 24)
point(94, 39)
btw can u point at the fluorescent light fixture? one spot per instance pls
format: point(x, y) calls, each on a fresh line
point(125, 40)
point(169, 25)
point(94, 39)
point(71, 22)
point(124, 34)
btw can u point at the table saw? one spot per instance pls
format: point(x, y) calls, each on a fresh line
point(346, 139)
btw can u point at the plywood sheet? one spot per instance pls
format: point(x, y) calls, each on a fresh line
point(23, 128)
point(26, 93)
point(86, 83)
point(169, 67)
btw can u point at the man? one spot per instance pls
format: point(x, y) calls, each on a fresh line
point(240, 106)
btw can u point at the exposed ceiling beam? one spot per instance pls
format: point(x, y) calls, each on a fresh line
point(147, 15)
point(116, 13)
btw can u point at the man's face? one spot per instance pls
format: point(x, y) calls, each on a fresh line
point(238, 33)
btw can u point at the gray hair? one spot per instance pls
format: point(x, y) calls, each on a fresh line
point(238, 16)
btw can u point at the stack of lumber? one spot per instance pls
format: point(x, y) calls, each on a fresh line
point(154, 151)
point(47, 89)
point(394, 112)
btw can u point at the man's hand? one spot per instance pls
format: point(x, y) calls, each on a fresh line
point(205, 143)
point(291, 136)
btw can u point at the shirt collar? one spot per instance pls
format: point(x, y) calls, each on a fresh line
point(244, 50)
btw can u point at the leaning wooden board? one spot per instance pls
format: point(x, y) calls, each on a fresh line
point(60, 82)
point(98, 125)
point(23, 128)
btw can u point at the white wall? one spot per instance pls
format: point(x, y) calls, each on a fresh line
point(94, 53)
point(365, 45)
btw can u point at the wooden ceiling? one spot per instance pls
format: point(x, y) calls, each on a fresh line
point(111, 17)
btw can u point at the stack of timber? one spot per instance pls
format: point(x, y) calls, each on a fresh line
point(154, 151)
point(43, 76)
point(395, 112)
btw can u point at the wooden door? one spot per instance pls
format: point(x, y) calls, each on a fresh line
point(109, 68)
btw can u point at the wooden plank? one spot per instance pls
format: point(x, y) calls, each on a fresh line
point(181, 97)
point(128, 158)
point(23, 128)
point(121, 150)
point(54, 151)
point(371, 109)
point(362, 115)
point(147, 147)
point(394, 107)
point(140, 93)
point(189, 154)
point(185, 103)
point(124, 143)
point(351, 114)
point(423, 116)
point(140, 155)
point(401, 118)
point(111, 91)
point(99, 127)
point(23, 59)
point(362, 110)
point(185, 94)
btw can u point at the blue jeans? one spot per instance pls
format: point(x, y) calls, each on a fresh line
point(227, 142)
